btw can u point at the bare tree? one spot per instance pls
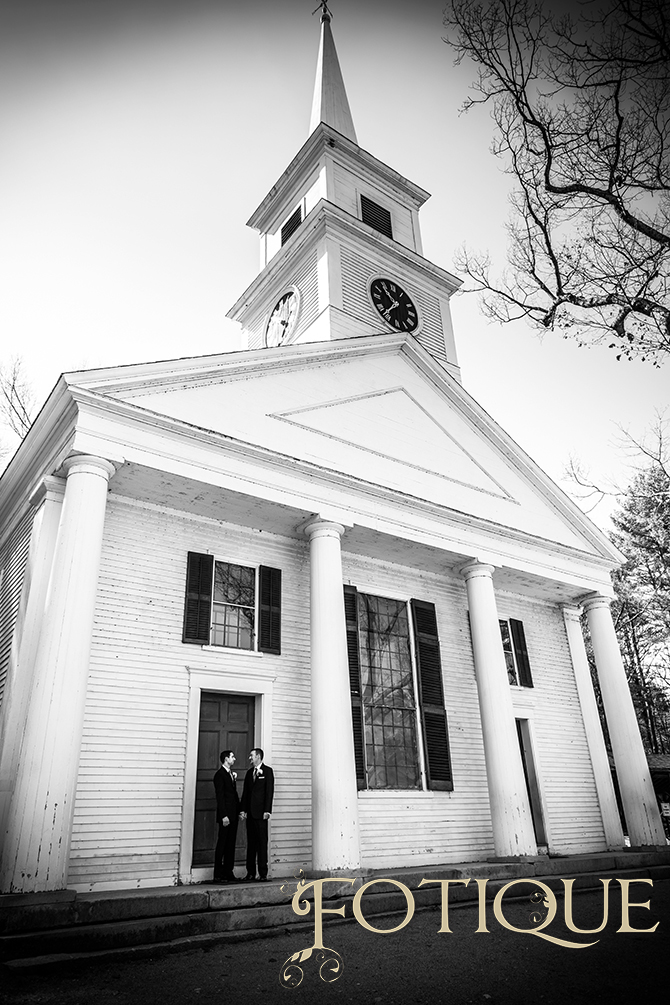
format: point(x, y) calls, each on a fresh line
point(16, 397)
point(582, 114)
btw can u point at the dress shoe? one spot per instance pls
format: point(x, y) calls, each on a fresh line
point(231, 879)
point(263, 879)
point(249, 878)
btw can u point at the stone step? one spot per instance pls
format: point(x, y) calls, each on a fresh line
point(49, 928)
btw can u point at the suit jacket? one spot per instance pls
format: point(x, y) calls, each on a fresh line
point(257, 794)
point(227, 799)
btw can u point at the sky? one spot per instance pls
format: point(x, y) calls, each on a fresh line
point(138, 137)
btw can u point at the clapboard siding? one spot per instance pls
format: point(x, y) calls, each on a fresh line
point(348, 188)
point(402, 828)
point(13, 559)
point(130, 794)
point(561, 753)
point(130, 789)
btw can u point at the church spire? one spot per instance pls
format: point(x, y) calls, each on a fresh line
point(330, 104)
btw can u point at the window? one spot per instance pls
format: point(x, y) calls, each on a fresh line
point(376, 216)
point(516, 653)
point(396, 705)
point(291, 225)
point(235, 606)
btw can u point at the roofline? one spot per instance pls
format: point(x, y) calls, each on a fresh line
point(325, 136)
point(207, 369)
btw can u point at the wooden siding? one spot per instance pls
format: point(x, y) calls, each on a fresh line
point(130, 792)
point(130, 795)
point(306, 280)
point(13, 558)
point(561, 753)
point(348, 188)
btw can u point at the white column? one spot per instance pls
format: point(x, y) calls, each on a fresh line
point(594, 733)
point(47, 500)
point(335, 840)
point(510, 810)
point(37, 846)
point(637, 792)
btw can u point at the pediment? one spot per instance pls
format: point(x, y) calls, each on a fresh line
point(390, 425)
point(377, 412)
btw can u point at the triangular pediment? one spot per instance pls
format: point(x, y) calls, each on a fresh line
point(392, 426)
point(374, 412)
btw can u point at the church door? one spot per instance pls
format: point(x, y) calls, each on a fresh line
point(226, 723)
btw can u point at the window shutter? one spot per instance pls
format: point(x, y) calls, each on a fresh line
point(291, 225)
point(269, 627)
point(521, 652)
point(351, 618)
point(431, 696)
point(198, 604)
point(376, 216)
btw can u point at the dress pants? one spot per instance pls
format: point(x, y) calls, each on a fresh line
point(224, 854)
point(257, 846)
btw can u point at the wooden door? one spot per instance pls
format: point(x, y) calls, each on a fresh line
point(226, 723)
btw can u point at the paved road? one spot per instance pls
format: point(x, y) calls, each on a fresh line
point(413, 966)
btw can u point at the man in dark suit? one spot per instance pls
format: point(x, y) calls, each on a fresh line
point(259, 787)
point(227, 812)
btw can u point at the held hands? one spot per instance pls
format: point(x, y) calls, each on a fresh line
point(243, 815)
point(225, 821)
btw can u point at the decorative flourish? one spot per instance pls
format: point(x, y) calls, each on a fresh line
point(330, 963)
point(540, 900)
point(288, 887)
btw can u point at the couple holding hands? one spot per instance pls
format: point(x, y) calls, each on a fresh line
point(255, 807)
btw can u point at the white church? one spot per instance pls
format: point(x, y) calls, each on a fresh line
point(320, 545)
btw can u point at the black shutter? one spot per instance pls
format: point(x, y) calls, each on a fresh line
point(198, 604)
point(431, 696)
point(351, 619)
point(269, 610)
point(376, 216)
point(291, 225)
point(521, 652)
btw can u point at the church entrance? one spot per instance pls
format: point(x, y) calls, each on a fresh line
point(226, 723)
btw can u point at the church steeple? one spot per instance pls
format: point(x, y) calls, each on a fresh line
point(330, 104)
point(340, 242)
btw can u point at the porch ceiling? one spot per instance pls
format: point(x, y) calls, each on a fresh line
point(172, 491)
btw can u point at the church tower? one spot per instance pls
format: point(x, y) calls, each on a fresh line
point(340, 242)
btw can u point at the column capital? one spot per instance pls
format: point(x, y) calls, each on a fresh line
point(323, 528)
point(476, 569)
point(595, 600)
point(50, 487)
point(89, 464)
point(572, 612)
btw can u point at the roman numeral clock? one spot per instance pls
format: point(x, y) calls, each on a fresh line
point(394, 305)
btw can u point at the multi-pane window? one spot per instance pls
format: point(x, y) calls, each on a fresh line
point(516, 652)
point(397, 700)
point(231, 605)
point(389, 698)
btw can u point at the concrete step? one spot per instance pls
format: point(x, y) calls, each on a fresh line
point(63, 926)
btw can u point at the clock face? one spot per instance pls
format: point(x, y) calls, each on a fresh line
point(282, 319)
point(394, 305)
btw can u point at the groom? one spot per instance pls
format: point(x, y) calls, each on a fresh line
point(259, 786)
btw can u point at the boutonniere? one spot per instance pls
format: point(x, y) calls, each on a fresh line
point(260, 775)
point(233, 775)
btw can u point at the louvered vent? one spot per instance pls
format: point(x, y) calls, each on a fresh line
point(291, 225)
point(13, 558)
point(376, 216)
